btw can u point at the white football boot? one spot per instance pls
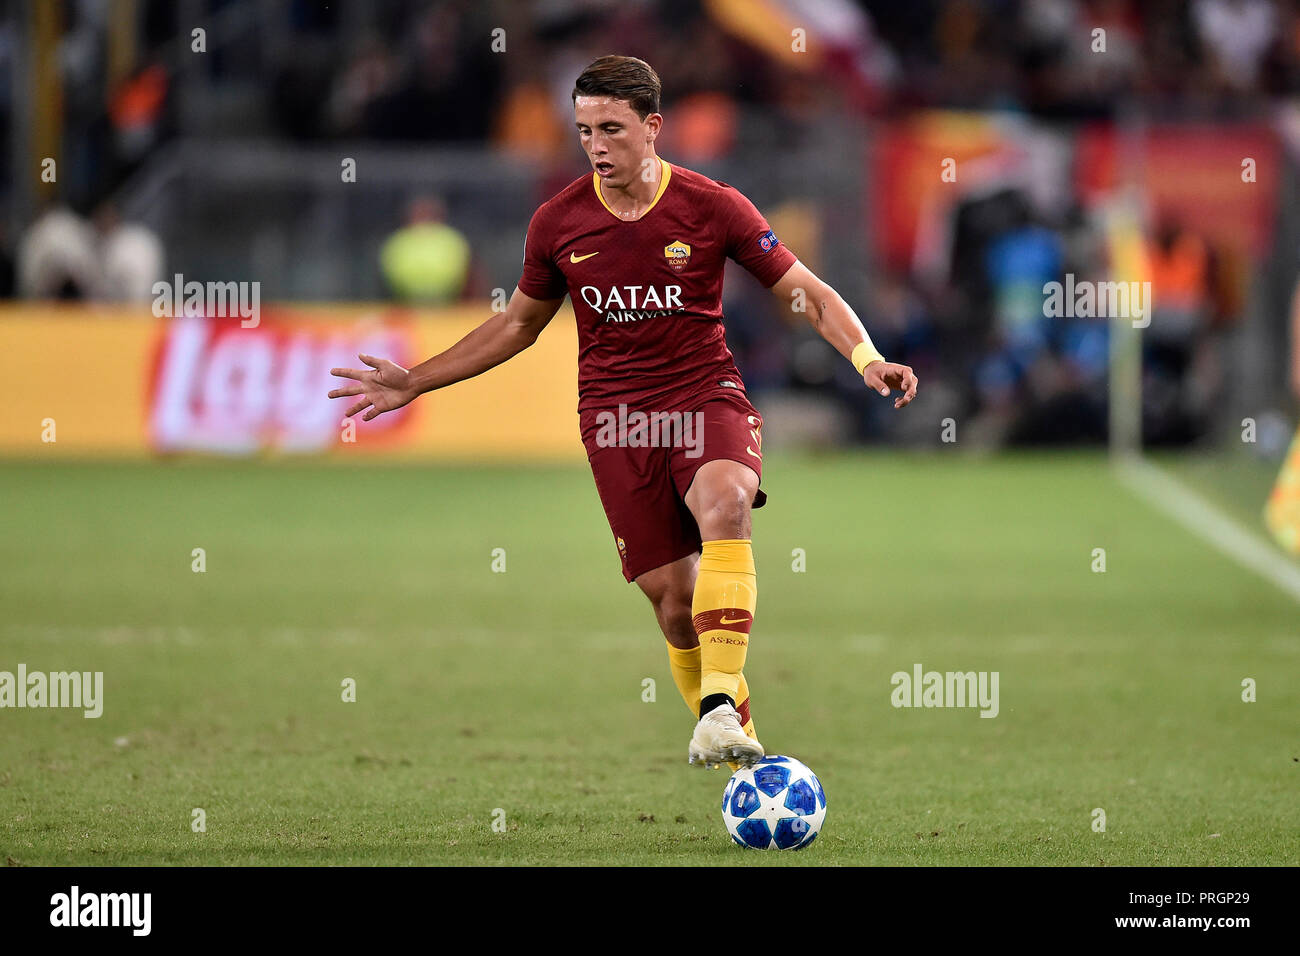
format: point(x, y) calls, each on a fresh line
point(718, 737)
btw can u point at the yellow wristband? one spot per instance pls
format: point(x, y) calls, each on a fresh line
point(864, 353)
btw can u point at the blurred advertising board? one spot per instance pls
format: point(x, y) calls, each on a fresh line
point(98, 381)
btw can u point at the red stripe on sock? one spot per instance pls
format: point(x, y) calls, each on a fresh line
point(723, 619)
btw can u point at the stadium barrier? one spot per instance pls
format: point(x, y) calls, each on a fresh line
point(111, 382)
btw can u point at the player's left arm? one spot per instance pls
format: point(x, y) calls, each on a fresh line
point(837, 323)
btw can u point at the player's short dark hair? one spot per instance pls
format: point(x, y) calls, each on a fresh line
point(623, 78)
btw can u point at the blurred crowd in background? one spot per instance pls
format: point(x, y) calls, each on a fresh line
point(815, 108)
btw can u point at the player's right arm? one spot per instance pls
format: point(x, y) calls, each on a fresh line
point(385, 385)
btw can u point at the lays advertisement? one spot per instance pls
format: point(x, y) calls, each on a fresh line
point(94, 381)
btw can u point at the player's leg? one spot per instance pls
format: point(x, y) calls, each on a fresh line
point(723, 604)
point(658, 544)
point(718, 476)
point(669, 589)
point(658, 540)
point(726, 592)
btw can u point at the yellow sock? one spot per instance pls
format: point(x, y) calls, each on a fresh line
point(685, 667)
point(746, 721)
point(726, 595)
point(742, 705)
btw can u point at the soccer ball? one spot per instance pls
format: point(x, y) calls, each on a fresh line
point(777, 804)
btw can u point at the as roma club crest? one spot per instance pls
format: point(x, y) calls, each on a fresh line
point(678, 255)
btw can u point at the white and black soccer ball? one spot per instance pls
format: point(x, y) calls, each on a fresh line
point(777, 804)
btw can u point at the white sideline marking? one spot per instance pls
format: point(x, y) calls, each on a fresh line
point(1203, 519)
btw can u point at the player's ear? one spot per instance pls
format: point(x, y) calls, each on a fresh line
point(653, 124)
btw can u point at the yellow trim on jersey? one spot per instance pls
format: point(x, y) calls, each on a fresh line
point(663, 184)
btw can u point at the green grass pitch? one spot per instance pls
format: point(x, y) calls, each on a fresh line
point(522, 691)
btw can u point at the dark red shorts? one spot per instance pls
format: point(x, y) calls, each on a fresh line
point(644, 465)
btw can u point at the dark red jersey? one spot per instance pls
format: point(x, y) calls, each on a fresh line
point(648, 293)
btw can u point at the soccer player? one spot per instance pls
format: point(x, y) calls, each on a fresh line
point(640, 245)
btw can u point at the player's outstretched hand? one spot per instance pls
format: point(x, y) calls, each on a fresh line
point(382, 387)
point(882, 376)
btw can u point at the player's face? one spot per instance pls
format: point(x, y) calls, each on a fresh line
point(614, 137)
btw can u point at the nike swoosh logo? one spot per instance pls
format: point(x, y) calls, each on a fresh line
point(574, 257)
point(721, 618)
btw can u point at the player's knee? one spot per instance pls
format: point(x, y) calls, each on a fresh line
point(673, 604)
point(674, 612)
point(726, 513)
point(671, 598)
point(681, 627)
